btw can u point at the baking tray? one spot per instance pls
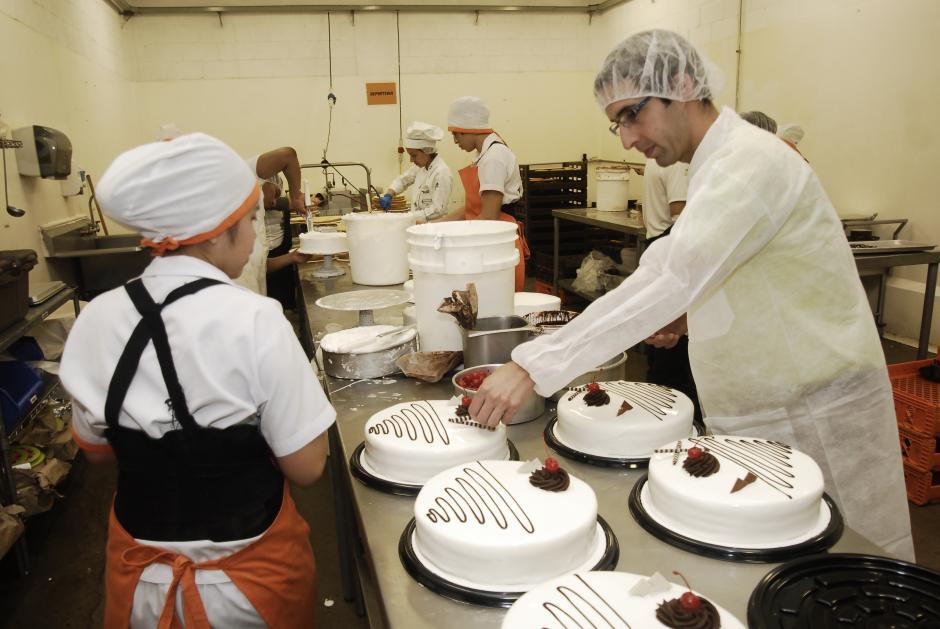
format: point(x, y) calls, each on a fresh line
point(868, 247)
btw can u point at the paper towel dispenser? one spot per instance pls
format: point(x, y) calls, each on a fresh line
point(46, 152)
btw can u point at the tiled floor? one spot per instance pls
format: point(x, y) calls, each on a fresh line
point(64, 589)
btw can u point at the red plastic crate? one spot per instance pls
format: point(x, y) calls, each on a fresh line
point(916, 400)
point(922, 487)
point(920, 452)
point(544, 287)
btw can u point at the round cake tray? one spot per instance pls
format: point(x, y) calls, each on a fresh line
point(816, 542)
point(630, 463)
point(364, 301)
point(846, 590)
point(482, 594)
point(370, 478)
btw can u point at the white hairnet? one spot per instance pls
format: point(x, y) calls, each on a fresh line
point(656, 63)
point(168, 131)
point(792, 133)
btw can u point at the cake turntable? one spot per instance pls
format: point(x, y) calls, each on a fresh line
point(364, 302)
point(826, 532)
point(604, 556)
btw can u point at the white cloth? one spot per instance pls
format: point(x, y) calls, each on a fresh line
point(468, 112)
point(782, 341)
point(178, 189)
point(662, 186)
point(273, 228)
point(421, 135)
point(498, 169)
point(239, 362)
point(432, 186)
point(254, 275)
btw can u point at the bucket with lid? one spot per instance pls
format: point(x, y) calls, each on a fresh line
point(446, 257)
point(378, 247)
point(613, 188)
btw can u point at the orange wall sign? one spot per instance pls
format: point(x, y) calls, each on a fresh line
point(381, 93)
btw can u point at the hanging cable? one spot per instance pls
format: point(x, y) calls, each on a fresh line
point(331, 97)
point(401, 131)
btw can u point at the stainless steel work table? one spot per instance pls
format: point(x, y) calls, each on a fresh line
point(392, 597)
point(613, 221)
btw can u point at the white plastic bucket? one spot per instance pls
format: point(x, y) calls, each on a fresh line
point(613, 188)
point(446, 257)
point(378, 247)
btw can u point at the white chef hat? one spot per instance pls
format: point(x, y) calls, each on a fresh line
point(179, 192)
point(421, 135)
point(656, 63)
point(792, 133)
point(469, 114)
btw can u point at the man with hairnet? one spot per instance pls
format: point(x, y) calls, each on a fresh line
point(757, 269)
point(760, 119)
point(429, 174)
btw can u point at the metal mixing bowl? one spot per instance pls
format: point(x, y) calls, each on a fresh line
point(532, 407)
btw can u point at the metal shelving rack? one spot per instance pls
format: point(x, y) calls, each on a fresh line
point(35, 315)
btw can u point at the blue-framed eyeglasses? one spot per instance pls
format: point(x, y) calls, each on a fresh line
point(627, 116)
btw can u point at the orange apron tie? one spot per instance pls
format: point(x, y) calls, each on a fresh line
point(473, 206)
point(276, 574)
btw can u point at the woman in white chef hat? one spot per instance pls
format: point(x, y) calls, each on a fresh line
point(429, 174)
point(492, 184)
point(200, 392)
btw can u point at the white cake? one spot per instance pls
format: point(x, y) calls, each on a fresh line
point(483, 522)
point(323, 243)
point(612, 600)
point(638, 418)
point(364, 339)
point(412, 441)
point(778, 500)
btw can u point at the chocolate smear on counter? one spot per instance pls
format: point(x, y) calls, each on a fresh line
point(598, 397)
point(550, 481)
point(704, 465)
point(741, 483)
point(624, 408)
point(672, 614)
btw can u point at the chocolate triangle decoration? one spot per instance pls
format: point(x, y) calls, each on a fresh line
point(624, 408)
point(741, 483)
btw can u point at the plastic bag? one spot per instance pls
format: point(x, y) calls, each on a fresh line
point(591, 272)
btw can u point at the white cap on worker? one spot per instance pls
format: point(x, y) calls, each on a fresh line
point(469, 114)
point(178, 192)
point(421, 135)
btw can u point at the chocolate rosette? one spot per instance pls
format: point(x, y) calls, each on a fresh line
point(462, 411)
point(597, 397)
point(672, 614)
point(703, 465)
point(550, 481)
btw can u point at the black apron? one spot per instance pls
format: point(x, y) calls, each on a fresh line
point(193, 483)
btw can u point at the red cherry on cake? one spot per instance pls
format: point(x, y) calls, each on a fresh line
point(690, 602)
point(695, 452)
point(551, 464)
point(593, 387)
point(465, 400)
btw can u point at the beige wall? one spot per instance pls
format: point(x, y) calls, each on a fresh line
point(65, 65)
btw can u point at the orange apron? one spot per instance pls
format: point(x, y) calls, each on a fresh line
point(473, 205)
point(276, 574)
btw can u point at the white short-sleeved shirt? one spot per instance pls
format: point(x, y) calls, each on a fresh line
point(662, 186)
point(498, 169)
point(254, 275)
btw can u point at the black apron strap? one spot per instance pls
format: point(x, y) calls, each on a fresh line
point(149, 328)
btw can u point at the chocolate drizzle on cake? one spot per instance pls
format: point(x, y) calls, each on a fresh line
point(597, 397)
point(478, 494)
point(418, 419)
point(556, 480)
point(704, 464)
point(672, 614)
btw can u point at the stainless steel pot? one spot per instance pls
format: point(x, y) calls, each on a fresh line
point(533, 406)
point(368, 364)
point(492, 340)
point(613, 369)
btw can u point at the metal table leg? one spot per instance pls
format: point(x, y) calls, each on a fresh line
point(344, 524)
point(555, 258)
point(930, 291)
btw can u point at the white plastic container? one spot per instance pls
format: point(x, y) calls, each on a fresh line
point(524, 303)
point(378, 247)
point(613, 188)
point(446, 257)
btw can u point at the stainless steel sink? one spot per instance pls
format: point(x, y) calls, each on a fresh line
point(76, 246)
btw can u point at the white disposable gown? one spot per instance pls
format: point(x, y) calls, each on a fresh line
point(782, 341)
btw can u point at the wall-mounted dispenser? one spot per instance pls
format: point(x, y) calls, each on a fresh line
point(46, 152)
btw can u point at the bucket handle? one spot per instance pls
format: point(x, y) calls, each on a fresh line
point(438, 241)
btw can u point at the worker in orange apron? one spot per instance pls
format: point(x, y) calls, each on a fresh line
point(205, 411)
point(492, 184)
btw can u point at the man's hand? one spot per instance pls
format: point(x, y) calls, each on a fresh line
point(668, 336)
point(501, 395)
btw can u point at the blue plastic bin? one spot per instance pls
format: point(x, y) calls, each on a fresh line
point(20, 387)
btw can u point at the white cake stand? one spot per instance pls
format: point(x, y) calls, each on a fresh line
point(327, 269)
point(364, 301)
